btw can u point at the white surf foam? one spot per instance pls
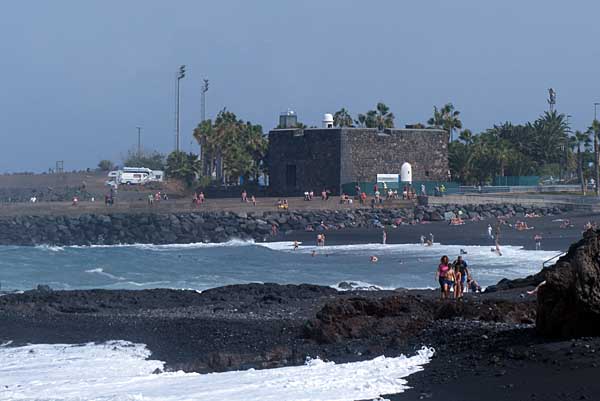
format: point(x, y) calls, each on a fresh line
point(50, 248)
point(119, 371)
point(101, 272)
point(168, 247)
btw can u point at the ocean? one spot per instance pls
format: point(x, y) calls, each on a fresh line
point(203, 266)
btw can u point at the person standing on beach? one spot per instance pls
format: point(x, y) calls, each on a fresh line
point(431, 238)
point(490, 235)
point(384, 236)
point(538, 242)
point(461, 265)
point(422, 240)
point(441, 274)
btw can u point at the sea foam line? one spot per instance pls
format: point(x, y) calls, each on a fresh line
point(120, 370)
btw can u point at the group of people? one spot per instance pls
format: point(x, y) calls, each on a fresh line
point(282, 204)
point(455, 278)
point(245, 198)
point(198, 199)
point(157, 197)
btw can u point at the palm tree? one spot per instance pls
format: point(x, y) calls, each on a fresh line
point(384, 118)
point(446, 118)
point(361, 120)
point(379, 118)
point(342, 118)
point(466, 136)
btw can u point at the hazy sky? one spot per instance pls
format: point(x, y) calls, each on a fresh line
point(78, 76)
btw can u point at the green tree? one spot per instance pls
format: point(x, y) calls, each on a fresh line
point(183, 166)
point(446, 118)
point(342, 118)
point(106, 165)
point(379, 118)
point(153, 160)
point(466, 136)
point(231, 148)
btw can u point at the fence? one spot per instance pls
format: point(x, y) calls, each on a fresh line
point(516, 180)
point(430, 187)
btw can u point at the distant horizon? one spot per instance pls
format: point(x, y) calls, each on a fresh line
point(78, 78)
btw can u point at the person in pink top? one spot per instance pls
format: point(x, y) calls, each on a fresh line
point(441, 273)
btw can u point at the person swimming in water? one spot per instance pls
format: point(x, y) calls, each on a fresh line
point(374, 259)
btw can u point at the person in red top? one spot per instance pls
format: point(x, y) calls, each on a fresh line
point(441, 274)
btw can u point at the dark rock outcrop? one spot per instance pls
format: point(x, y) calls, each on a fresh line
point(360, 317)
point(569, 301)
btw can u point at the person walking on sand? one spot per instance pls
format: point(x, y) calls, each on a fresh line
point(458, 283)
point(440, 275)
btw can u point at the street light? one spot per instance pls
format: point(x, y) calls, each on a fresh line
point(566, 146)
point(596, 161)
point(180, 76)
point(139, 131)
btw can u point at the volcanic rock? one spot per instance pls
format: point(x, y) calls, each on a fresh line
point(569, 301)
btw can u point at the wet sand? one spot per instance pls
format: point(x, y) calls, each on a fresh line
point(471, 233)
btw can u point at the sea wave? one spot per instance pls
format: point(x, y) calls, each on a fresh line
point(51, 248)
point(169, 247)
point(120, 371)
point(100, 271)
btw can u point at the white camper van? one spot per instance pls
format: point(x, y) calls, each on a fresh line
point(134, 175)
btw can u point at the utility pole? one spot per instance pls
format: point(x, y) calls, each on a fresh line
point(180, 76)
point(596, 158)
point(203, 101)
point(139, 130)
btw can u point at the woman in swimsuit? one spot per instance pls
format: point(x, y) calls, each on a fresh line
point(441, 274)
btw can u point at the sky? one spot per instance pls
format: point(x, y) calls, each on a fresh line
point(77, 77)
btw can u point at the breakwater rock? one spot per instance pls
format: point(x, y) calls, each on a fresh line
point(154, 228)
point(485, 211)
point(204, 226)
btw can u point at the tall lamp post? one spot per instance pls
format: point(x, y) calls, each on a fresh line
point(180, 76)
point(139, 131)
point(596, 158)
point(203, 100)
point(568, 131)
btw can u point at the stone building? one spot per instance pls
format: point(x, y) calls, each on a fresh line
point(316, 158)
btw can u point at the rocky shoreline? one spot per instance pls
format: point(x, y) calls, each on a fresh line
point(169, 228)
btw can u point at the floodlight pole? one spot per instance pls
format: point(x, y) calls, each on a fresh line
point(596, 158)
point(139, 132)
point(180, 76)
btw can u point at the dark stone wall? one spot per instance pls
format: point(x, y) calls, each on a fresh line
point(366, 153)
point(328, 158)
point(315, 153)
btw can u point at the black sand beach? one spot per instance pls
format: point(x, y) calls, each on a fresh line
point(471, 233)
